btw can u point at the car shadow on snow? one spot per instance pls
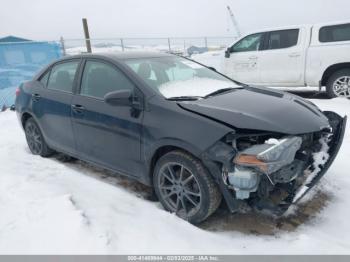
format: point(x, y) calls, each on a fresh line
point(222, 220)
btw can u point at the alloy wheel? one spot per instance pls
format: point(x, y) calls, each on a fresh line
point(341, 86)
point(179, 189)
point(34, 139)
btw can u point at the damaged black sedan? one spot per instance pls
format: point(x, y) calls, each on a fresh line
point(191, 133)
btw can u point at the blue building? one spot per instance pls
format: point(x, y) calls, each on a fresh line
point(20, 60)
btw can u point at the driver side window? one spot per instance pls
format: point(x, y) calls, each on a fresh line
point(247, 44)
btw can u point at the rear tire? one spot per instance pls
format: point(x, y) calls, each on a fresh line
point(35, 139)
point(338, 85)
point(184, 186)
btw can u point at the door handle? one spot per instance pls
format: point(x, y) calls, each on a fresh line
point(254, 57)
point(294, 55)
point(78, 108)
point(35, 97)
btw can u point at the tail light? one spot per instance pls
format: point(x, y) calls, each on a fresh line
point(18, 91)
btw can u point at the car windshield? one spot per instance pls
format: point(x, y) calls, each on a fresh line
point(174, 76)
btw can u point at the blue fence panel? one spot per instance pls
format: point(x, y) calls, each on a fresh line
point(19, 62)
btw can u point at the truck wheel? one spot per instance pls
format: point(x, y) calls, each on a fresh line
point(338, 85)
point(35, 139)
point(184, 186)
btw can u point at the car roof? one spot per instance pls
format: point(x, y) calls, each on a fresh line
point(122, 55)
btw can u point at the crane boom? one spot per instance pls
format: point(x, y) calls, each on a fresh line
point(234, 22)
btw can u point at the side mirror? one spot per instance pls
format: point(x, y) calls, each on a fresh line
point(227, 53)
point(119, 98)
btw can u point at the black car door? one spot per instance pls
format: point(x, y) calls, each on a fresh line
point(106, 134)
point(52, 104)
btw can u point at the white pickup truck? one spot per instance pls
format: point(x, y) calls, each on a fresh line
point(307, 55)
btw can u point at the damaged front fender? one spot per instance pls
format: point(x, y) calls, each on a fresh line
point(218, 160)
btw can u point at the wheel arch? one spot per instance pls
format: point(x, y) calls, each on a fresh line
point(166, 147)
point(331, 70)
point(25, 116)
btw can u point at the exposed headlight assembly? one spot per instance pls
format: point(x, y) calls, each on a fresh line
point(270, 157)
point(264, 158)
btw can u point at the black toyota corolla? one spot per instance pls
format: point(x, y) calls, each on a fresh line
point(193, 134)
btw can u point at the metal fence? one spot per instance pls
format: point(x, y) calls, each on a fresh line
point(175, 44)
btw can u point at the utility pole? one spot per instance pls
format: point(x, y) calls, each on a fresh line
point(169, 45)
point(87, 35)
point(122, 44)
point(62, 46)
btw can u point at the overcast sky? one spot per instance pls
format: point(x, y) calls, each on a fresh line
point(50, 19)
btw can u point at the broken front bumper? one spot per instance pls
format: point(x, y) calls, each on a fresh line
point(222, 152)
point(339, 126)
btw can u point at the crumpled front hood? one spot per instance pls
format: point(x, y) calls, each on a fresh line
point(261, 109)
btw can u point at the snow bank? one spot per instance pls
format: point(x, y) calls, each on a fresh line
point(48, 207)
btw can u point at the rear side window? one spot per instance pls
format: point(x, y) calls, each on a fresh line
point(62, 76)
point(283, 39)
point(335, 33)
point(100, 78)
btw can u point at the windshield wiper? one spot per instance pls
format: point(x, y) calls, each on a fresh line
point(184, 98)
point(219, 91)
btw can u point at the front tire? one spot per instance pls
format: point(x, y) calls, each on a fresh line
point(338, 85)
point(184, 186)
point(35, 139)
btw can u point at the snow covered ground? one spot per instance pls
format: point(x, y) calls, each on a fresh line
point(51, 207)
